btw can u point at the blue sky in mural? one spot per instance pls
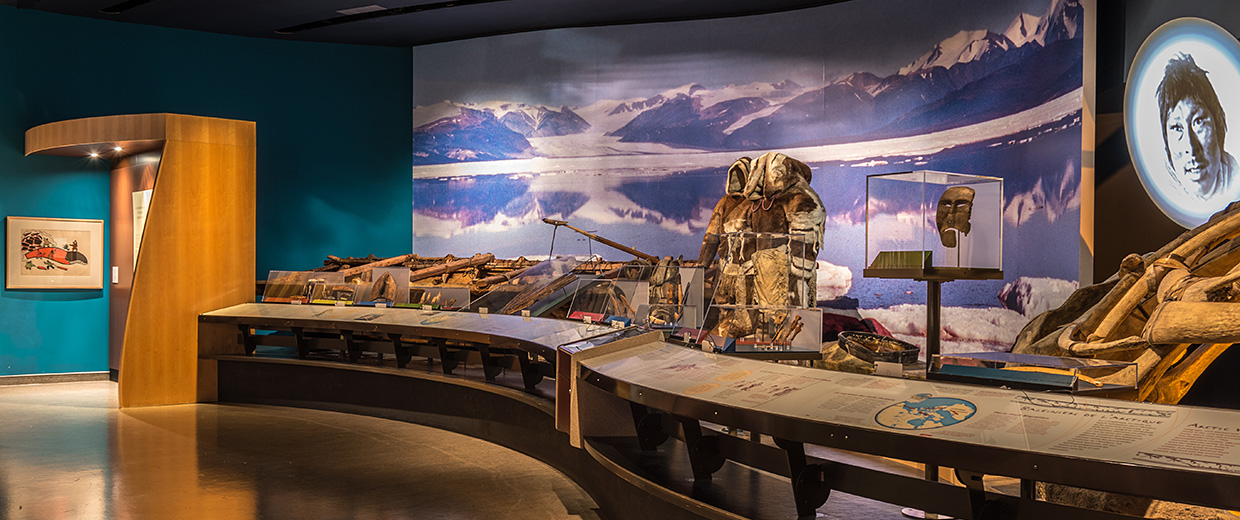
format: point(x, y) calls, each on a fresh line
point(628, 131)
point(577, 67)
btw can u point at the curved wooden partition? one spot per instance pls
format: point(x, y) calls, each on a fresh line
point(197, 250)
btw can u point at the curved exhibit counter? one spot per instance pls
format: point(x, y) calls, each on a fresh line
point(1175, 453)
point(443, 335)
point(826, 429)
point(536, 335)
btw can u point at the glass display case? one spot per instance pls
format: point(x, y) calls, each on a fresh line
point(384, 285)
point(674, 298)
point(287, 286)
point(756, 328)
point(765, 292)
point(1033, 372)
point(547, 279)
point(663, 296)
point(924, 221)
point(438, 296)
point(597, 298)
point(337, 293)
point(688, 311)
point(306, 286)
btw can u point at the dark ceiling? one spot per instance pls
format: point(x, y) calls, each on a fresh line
point(400, 22)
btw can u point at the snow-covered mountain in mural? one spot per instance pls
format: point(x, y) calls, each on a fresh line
point(971, 77)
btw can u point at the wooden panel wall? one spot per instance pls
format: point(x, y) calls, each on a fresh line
point(129, 174)
point(69, 137)
point(197, 250)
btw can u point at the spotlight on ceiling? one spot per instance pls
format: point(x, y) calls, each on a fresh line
point(94, 154)
point(118, 148)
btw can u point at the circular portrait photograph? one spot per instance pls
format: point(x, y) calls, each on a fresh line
point(1184, 82)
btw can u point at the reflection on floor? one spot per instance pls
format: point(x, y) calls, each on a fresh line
point(67, 452)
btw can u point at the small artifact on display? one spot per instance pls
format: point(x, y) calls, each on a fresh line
point(1034, 372)
point(666, 293)
point(874, 348)
point(437, 297)
point(337, 293)
point(953, 212)
point(765, 233)
point(768, 327)
point(388, 286)
point(383, 289)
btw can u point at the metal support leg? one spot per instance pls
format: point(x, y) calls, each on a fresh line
point(704, 454)
point(247, 340)
point(1028, 489)
point(446, 359)
point(490, 368)
point(303, 346)
point(982, 508)
point(403, 353)
point(649, 426)
point(351, 347)
point(934, 302)
point(932, 475)
point(810, 488)
point(530, 375)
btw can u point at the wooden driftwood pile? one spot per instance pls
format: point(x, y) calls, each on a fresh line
point(478, 272)
point(482, 273)
point(443, 270)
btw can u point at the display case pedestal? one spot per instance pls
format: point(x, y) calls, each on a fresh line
point(934, 279)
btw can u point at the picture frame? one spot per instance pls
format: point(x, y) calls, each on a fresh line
point(53, 253)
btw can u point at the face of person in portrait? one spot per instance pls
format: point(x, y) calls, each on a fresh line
point(1194, 153)
point(1193, 128)
point(953, 213)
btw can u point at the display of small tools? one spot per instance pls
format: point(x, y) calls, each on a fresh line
point(789, 330)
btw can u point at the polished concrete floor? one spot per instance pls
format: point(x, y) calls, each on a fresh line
point(67, 452)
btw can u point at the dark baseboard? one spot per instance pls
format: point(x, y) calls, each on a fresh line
point(35, 379)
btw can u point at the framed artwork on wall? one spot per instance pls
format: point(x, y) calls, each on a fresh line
point(53, 253)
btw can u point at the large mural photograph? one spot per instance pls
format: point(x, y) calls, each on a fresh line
point(629, 131)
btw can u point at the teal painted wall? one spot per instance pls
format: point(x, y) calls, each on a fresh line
point(334, 156)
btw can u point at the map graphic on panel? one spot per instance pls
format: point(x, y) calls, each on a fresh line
point(923, 412)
